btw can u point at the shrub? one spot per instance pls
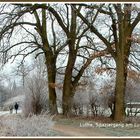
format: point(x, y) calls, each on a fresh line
point(35, 96)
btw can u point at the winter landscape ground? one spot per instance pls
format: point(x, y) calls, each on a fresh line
point(15, 125)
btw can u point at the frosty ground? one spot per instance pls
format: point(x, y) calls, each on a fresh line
point(13, 125)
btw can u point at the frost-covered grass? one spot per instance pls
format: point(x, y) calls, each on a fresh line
point(16, 125)
point(102, 125)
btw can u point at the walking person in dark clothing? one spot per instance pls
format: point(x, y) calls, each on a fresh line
point(16, 107)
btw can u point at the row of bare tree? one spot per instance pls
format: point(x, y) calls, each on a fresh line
point(80, 33)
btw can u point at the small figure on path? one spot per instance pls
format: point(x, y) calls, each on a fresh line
point(11, 109)
point(16, 107)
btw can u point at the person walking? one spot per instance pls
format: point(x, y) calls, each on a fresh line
point(16, 107)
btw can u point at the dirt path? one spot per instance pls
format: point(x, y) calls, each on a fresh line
point(77, 131)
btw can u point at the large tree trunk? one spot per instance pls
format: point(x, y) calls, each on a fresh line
point(119, 109)
point(121, 79)
point(67, 98)
point(68, 87)
point(122, 51)
point(51, 70)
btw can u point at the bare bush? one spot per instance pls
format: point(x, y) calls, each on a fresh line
point(80, 102)
point(87, 101)
point(93, 102)
point(3, 94)
point(35, 96)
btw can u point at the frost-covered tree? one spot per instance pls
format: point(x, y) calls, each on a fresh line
point(122, 20)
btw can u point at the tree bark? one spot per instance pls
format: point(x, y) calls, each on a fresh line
point(68, 95)
point(51, 70)
point(119, 108)
point(68, 87)
point(123, 52)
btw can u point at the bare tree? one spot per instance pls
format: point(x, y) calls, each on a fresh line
point(33, 36)
point(23, 70)
point(75, 31)
point(122, 26)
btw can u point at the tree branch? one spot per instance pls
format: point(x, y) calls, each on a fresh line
point(94, 30)
point(87, 63)
point(135, 22)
